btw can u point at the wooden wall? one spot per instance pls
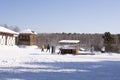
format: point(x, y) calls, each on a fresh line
point(27, 39)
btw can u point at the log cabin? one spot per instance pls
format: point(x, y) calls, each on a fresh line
point(27, 37)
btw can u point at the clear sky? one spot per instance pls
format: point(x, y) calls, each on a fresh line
point(51, 16)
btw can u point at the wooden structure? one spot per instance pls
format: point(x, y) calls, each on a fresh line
point(69, 46)
point(27, 37)
point(7, 36)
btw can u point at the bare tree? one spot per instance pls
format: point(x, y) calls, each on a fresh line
point(14, 28)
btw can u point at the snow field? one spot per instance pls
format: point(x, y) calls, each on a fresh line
point(32, 64)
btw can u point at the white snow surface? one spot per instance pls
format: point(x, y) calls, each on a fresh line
point(5, 30)
point(69, 41)
point(28, 31)
point(30, 63)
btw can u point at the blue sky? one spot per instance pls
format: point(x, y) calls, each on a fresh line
point(51, 16)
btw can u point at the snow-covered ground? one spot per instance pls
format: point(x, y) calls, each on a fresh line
point(31, 64)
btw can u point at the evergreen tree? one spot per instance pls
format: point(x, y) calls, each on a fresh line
point(108, 41)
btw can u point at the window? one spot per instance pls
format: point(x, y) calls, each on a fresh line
point(20, 37)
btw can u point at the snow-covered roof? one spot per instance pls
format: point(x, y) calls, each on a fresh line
point(69, 41)
point(5, 30)
point(28, 31)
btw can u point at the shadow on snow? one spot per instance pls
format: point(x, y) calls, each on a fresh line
point(104, 70)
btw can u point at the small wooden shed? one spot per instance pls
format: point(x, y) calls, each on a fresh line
point(27, 37)
point(69, 46)
point(7, 36)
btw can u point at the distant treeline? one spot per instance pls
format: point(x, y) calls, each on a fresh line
point(86, 40)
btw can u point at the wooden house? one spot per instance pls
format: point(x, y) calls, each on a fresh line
point(7, 36)
point(69, 46)
point(27, 37)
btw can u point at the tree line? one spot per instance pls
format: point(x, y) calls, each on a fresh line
point(110, 41)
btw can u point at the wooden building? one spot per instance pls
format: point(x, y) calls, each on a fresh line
point(7, 36)
point(27, 37)
point(69, 46)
